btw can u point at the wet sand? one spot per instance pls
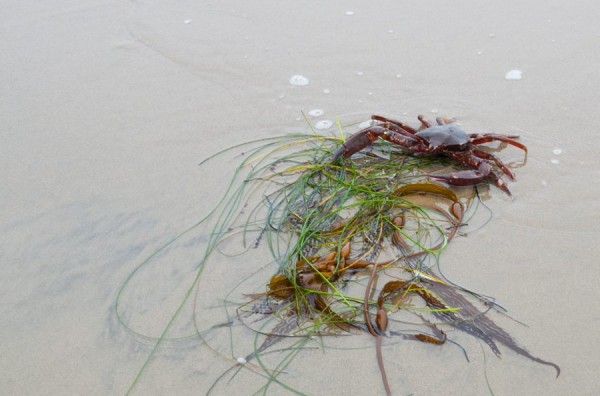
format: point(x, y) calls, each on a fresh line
point(107, 108)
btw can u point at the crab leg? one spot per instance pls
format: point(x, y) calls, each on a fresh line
point(501, 184)
point(499, 164)
point(398, 129)
point(477, 138)
point(407, 128)
point(424, 122)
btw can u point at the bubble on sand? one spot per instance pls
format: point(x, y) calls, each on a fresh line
point(359, 73)
point(298, 80)
point(557, 151)
point(316, 112)
point(514, 75)
point(349, 13)
point(326, 91)
point(555, 161)
point(241, 360)
point(323, 124)
point(187, 21)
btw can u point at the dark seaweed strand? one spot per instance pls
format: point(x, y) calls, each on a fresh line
point(473, 322)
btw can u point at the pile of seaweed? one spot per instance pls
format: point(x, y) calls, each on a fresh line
point(355, 247)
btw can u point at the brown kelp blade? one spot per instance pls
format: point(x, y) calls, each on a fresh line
point(426, 188)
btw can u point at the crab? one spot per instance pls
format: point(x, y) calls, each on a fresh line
point(444, 139)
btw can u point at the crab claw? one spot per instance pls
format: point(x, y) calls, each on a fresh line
point(472, 177)
point(465, 178)
point(388, 131)
point(359, 141)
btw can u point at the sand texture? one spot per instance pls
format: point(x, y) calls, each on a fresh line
point(107, 107)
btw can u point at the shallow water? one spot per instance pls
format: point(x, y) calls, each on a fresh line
point(107, 108)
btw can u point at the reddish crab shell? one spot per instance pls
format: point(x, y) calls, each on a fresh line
point(447, 137)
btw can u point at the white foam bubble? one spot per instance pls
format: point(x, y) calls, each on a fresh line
point(241, 360)
point(557, 151)
point(326, 91)
point(514, 75)
point(323, 124)
point(555, 161)
point(298, 80)
point(349, 12)
point(316, 112)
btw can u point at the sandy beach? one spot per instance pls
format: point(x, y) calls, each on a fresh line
point(107, 107)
